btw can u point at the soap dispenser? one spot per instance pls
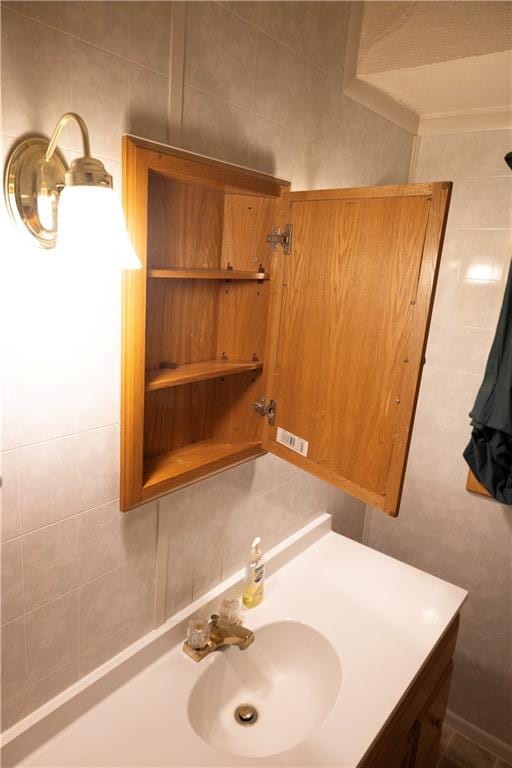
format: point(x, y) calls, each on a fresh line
point(255, 576)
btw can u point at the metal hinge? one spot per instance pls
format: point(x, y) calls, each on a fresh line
point(281, 238)
point(264, 408)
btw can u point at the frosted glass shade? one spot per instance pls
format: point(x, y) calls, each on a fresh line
point(92, 229)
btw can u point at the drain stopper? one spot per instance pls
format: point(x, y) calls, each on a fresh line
point(246, 714)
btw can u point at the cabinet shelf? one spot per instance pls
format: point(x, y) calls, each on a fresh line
point(187, 464)
point(162, 378)
point(207, 274)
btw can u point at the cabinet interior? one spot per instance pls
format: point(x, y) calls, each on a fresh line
point(207, 307)
point(323, 326)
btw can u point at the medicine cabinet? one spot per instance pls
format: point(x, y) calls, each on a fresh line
point(270, 320)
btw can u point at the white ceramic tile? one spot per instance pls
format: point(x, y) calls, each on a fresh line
point(469, 346)
point(243, 9)
point(488, 616)
point(478, 256)
point(25, 44)
point(130, 632)
point(293, 159)
point(10, 494)
point(50, 686)
point(481, 203)
point(13, 710)
point(52, 636)
point(109, 538)
point(54, 14)
point(150, 34)
point(478, 525)
point(195, 520)
point(391, 536)
point(488, 574)
point(296, 73)
point(203, 45)
point(480, 699)
point(98, 387)
point(447, 390)
point(12, 581)
point(323, 103)
point(50, 562)
point(109, 602)
point(106, 24)
point(100, 91)
point(234, 127)
point(176, 600)
point(9, 408)
point(200, 122)
point(148, 108)
point(347, 514)
point(44, 336)
point(438, 472)
point(97, 309)
point(48, 482)
point(264, 145)
point(316, 31)
point(463, 156)
point(220, 52)
point(14, 662)
point(98, 467)
point(270, 79)
point(493, 655)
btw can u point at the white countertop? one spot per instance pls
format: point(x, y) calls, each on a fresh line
point(383, 618)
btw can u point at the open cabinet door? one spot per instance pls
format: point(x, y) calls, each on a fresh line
point(350, 341)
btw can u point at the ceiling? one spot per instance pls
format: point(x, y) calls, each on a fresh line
point(439, 58)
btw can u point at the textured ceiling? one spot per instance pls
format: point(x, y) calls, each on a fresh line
point(464, 85)
point(439, 57)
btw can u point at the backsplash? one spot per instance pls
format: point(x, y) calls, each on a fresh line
point(80, 581)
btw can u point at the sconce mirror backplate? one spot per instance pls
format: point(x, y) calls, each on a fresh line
point(27, 175)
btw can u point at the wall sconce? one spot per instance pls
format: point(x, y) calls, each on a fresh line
point(75, 208)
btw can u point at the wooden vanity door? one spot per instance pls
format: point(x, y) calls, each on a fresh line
point(350, 340)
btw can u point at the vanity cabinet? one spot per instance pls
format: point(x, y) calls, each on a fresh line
point(411, 737)
point(270, 320)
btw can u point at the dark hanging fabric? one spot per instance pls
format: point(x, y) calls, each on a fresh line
point(489, 452)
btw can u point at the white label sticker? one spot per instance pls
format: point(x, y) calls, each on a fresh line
point(297, 444)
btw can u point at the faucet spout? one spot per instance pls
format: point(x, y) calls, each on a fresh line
point(231, 634)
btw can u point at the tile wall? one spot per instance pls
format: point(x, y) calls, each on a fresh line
point(78, 577)
point(460, 537)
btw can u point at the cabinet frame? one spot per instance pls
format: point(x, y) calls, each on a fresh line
point(420, 212)
point(140, 159)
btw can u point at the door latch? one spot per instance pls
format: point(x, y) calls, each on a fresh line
point(281, 238)
point(266, 408)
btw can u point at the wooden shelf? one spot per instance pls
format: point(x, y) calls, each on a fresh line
point(474, 486)
point(207, 274)
point(193, 461)
point(162, 378)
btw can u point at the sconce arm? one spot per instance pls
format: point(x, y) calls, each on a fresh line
point(58, 130)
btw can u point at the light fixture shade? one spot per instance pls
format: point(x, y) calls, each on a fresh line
point(91, 228)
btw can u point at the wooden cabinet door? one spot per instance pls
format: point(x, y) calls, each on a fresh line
point(427, 752)
point(349, 347)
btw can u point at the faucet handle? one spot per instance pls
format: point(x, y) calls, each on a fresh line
point(229, 612)
point(198, 633)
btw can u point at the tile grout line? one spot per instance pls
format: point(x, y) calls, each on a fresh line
point(83, 40)
point(78, 588)
point(339, 80)
point(65, 436)
point(310, 139)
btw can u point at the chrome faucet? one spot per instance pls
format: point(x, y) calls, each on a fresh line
point(220, 635)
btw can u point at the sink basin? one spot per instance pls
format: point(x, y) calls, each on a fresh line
point(289, 678)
